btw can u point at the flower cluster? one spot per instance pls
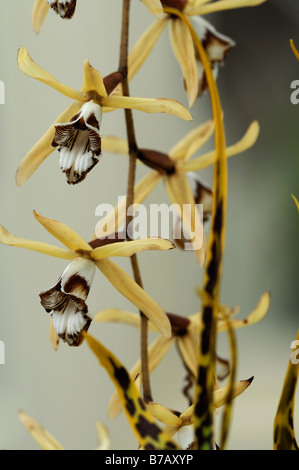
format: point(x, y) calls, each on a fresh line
point(200, 50)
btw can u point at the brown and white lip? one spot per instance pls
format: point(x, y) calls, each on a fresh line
point(64, 8)
point(66, 301)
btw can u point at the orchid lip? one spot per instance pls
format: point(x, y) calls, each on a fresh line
point(64, 8)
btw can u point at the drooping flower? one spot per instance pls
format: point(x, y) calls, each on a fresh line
point(66, 300)
point(175, 168)
point(76, 132)
point(64, 8)
point(185, 332)
point(216, 45)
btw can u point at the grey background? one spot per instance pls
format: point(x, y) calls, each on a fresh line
point(67, 391)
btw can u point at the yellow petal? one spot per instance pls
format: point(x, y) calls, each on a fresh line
point(255, 316)
point(148, 105)
point(39, 13)
point(154, 7)
point(143, 425)
point(115, 144)
point(220, 5)
point(183, 48)
point(42, 149)
point(121, 316)
point(92, 80)
point(164, 415)
point(129, 289)
point(117, 216)
point(156, 351)
point(180, 194)
point(103, 437)
point(247, 141)
point(195, 139)
point(30, 68)
point(64, 234)
point(284, 435)
point(296, 201)
point(129, 248)
point(8, 238)
point(188, 346)
point(43, 438)
point(144, 46)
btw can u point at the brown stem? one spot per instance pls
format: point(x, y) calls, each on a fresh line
point(133, 151)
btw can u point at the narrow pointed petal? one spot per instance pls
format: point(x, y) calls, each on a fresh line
point(103, 437)
point(8, 238)
point(154, 7)
point(183, 48)
point(118, 316)
point(164, 415)
point(148, 105)
point(220, 5)
point(143, 425)
point(188, 346)
point(284, 434)
point(64, 234)
point(220, 395)
point(31, 69)
point(92, 80)
point(144, 46)
point(116, 218)
point(130, 289)
point(246, 142)
point(195, 139)
point(180, 193)
point(42, 149)
point(43, 438)
point(129, 248)
point(156, 351)
point(39, 13)
point(114, 144)
point(255, 316)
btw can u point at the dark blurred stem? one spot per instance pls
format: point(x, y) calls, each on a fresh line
point(133, 151)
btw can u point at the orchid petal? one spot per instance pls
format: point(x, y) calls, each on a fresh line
point(64, 234)
point(148, 105)
point(188, 346)
point(27, 65)
point(114, 144)
point(129, 248)
point(183, 48)
point(164, 415)
point(39, 13)
point(180, 194)
point(103, 437)
point(154, 7)
point(189, 144)
point(220, 5)
point(133, 292)
point(92, 80)
point(8, 238)
point(144, 46)
point(121, 316)
point(247, 141)
point(43, 438)
point(42, 149)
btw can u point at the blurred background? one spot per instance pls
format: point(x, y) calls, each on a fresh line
point(67, 391)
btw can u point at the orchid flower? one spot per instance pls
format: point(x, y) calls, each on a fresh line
point(76, 132)
point(66, 300)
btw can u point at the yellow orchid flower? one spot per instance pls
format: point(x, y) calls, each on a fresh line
point(182, 423)
point(216, 45)
point(185, 331)
point(66, 300)
point(76, 132)
point(64, 8)
point(174, 169)
point(47, 442)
